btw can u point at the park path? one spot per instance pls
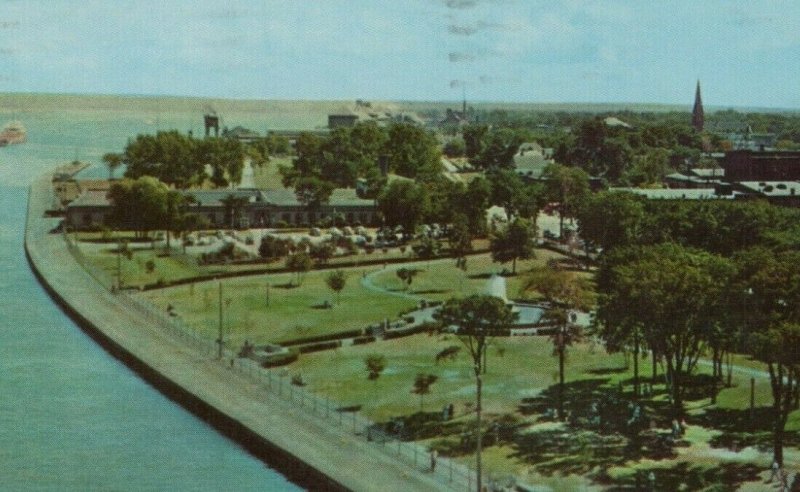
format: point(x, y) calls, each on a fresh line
point(348, 461)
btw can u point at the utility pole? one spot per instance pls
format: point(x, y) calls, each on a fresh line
point(219, 339)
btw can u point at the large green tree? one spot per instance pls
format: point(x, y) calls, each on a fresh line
point(568, 186)
point(563, 292)
point(767, 306)
point(611, 219)
point(514, 242)
point(167, 156)
point(673, 294)
point(404, 203)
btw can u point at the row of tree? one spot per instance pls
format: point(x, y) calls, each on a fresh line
point(685, 280)
point(349, 154)
point(182, 161)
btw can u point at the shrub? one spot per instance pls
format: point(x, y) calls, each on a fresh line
point(375, 363)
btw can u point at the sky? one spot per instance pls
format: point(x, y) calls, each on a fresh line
point(745, 53)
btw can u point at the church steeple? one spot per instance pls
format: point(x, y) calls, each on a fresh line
point(697, 111)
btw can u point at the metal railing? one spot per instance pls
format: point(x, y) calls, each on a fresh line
point(448, 472)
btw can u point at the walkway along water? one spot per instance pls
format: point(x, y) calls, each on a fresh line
point(318, 448)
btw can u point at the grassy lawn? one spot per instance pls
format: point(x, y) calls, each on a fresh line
point(441, 280)
point(292, 311)
point(268, 175)
point(521, 383)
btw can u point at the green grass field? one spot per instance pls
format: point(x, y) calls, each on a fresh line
point(292, 312)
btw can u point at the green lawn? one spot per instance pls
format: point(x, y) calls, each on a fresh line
point(441, 280)
point(292, 311)
point(268, 175)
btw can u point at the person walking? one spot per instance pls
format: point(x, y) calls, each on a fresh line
point(434, 455)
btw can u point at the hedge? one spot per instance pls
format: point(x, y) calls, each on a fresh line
point(316, 347)
point(322, 338)
point(363, 340)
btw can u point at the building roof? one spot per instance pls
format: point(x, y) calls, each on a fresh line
point(675, 193)
point(213, 198)
point(91, 198)
point(709, 172)
point(340, 197)
point(772, 188)
point(612, 121)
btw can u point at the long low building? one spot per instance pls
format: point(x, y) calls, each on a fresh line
point(262, 208)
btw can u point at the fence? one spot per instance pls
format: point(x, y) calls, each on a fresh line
point(454, 475)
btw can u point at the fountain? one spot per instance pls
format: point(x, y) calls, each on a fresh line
point(529, 316)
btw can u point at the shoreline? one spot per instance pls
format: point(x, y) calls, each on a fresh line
point(311, 455)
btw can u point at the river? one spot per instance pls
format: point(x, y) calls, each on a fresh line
point(71, 416)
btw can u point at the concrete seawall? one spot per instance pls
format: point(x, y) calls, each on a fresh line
point(309, 452)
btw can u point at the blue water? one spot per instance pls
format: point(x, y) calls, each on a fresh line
point(71, 416)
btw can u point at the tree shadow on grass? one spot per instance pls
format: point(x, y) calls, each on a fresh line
point(740, 430)
point(603, 429)
point(288, 285)
point(431, 291)
point(687, 476)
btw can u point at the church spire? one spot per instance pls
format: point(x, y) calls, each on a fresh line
point(697, 111)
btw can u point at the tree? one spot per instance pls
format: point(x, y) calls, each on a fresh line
point(375, 365)
point(768, 288)
point(113, 161)
point(223, 156)
point(611, 219)
point(460, 240)
point(455, 148)
point(323, 252)
point(300, 264)
point(313, 192)
point(412, 152)
point(473, 139)
point(563, 292)
point(568, 186)
point(477, 319)
point(681, 294)
point(139, 205)
point(507, 189)
point(499, 148)
point(406, 275)
point(336, 281)
point(473, 204)
point(426, 248)
point(422, 386)
point(272, 248)
point(514, 242)
point(403, 203)
point(167, 156)
point(234, 205)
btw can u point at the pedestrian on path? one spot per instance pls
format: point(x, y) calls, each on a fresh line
point(776, 471)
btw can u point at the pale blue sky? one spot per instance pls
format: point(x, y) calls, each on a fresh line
point(746, 53)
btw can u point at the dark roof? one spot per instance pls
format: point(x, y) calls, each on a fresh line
point(211, 198)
